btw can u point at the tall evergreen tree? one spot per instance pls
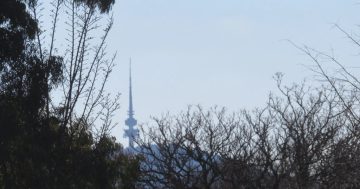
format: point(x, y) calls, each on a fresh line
point(36, 149)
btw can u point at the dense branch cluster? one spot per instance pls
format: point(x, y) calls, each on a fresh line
point(304, 138)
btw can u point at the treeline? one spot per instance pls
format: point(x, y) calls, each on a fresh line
point(304, 138)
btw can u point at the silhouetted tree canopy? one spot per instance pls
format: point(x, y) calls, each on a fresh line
point(36, 149)
point(16, 26)
point(102, 5)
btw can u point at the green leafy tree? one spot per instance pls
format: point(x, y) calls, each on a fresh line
point(39, 146)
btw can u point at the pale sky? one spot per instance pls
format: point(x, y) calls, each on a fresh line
point(218, 52)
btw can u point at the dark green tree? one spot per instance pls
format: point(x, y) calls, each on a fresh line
point(37, 150)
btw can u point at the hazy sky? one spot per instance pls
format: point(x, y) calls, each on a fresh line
point(218, 52)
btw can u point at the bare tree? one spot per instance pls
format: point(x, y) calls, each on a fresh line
point(299, 140)
point(86, 64)
point(341, 164)
point(186, 151)
point(270, 158)
point(311, 122)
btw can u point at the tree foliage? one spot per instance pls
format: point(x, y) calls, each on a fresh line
point(39, 147)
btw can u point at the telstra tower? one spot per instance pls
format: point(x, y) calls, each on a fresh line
point(132, 133)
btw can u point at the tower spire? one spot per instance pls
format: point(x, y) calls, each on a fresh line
point(132, 133)
point(131, 109)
